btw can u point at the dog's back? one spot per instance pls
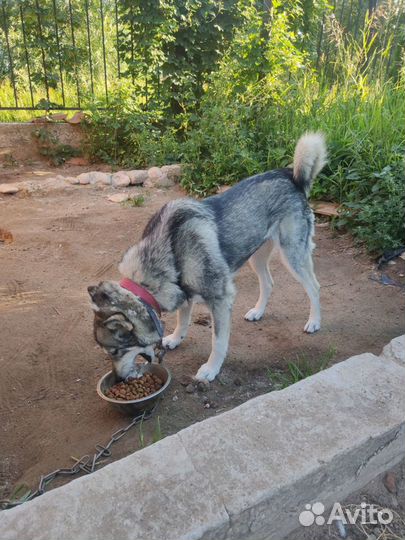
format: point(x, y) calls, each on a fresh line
point(251, 212)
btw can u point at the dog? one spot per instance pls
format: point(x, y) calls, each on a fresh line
point(190, 251)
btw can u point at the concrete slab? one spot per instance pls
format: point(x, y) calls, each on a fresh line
point(155, 493)
point(245, 474)
point(318, 440)
point(395, 350)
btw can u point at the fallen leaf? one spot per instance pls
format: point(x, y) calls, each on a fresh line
point(6, 236)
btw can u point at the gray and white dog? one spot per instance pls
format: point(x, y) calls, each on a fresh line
point(190, 250)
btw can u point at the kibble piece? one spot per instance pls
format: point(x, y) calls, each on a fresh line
point(133, 389)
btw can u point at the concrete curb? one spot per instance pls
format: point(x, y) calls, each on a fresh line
point(245, 474)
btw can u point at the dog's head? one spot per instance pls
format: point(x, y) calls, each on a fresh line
point(123, 325)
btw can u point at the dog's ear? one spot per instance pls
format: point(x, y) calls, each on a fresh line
point(92, 290)
point(118, 322)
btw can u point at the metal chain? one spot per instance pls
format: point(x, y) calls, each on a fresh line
point(86, 464)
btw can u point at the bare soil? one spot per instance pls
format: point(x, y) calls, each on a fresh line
point(68, 239)
point(386, 491)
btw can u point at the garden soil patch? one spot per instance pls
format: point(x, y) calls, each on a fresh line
point(66, 240)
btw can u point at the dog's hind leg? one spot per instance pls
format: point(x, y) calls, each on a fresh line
point(180, 332)
point(221, 310)
point(259, 263)
point(298, 260)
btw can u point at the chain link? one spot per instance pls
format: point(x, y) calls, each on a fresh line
point(86, 464)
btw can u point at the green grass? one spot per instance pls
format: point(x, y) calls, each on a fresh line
point(157, 434)
point(135, 201)
point(300, 368)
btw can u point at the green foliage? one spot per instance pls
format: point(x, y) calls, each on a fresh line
point(248, 125)
point(50, 147)
point(378, 220)
point(128, 135)
point(227, 87)
point(135, 201)
point(301, 368)
point(157, 434)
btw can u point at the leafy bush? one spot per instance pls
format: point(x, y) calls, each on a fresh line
point(265, 94)
point(125, 134)
point(248, 127)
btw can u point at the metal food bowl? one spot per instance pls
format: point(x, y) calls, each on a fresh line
point(134, 406)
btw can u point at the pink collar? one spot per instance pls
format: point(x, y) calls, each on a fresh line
point(141, 292)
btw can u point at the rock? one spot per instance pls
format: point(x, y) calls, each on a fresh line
point(156, 178)
point(185, 380)
point(190, 388)
point(395, 350)
point(165, 182)
point(72, 180)
point(137, 177)
point(390, 482)
point(154, 173)
point(9, 189)
point(175, 398)
point(203, 386)
point(97, 177)
point(84, 178)
point(120, 179)
point(173, 172)
point(119, 197)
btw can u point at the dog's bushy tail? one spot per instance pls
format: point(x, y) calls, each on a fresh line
point(309, 158)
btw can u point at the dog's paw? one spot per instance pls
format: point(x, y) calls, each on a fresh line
point(254, 314)
point(171, 342)
point(206, 373)
point(312, 326)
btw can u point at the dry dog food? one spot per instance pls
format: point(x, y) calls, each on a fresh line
point(135, 388)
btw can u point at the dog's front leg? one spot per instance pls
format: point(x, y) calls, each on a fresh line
point(221, 314)
point(180, 332)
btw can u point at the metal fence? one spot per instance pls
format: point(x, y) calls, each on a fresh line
point(57, 54)
point(52, 55)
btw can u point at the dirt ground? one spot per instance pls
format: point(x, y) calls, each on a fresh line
point(68, 239)
point(387, 491)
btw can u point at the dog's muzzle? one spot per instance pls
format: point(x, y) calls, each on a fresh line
point(159, 352)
